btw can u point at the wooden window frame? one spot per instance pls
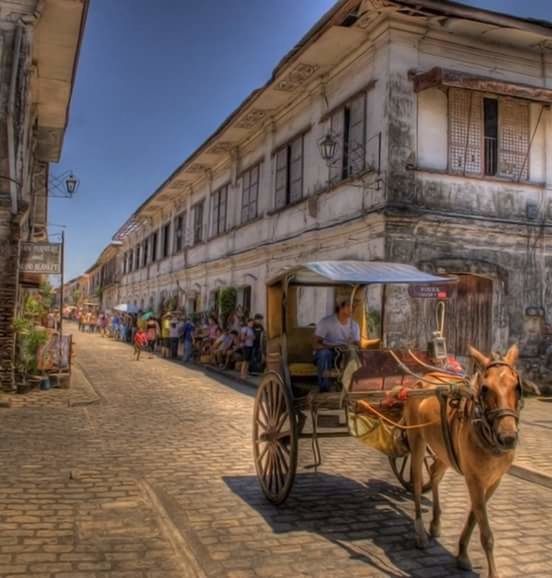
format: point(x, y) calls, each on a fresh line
point(179, 226)
point(219, 211)
point(501, 152)
point(165, 240)
point(283, 174)
point(250, 205)
point(343, 167)
point(197, 224)
point(154, 246)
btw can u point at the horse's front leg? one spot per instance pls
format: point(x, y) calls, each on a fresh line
point(479, 498)
point(438, 469)
point(418, 448)
point(463, 559)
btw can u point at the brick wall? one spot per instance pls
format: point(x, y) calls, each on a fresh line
point(8, 284)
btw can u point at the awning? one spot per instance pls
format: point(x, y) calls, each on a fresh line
point(126, 308)
point(453, 78)
point(358, 272)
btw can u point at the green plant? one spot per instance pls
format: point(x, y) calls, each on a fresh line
point(47, 295)
point(228, 297)
point(30, 338)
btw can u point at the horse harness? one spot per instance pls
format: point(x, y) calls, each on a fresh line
point(466, 404)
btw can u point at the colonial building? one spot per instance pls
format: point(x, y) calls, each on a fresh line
point(39, 45)
point(103, 278)
point(434, 120)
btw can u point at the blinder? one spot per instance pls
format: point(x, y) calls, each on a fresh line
point(485, 419)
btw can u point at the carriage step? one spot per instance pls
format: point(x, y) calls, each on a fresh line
point(329, 421)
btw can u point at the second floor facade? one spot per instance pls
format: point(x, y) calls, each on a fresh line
point(412, 110)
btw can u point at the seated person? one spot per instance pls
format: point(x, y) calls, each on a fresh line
point(331, 331)
point(224, 347)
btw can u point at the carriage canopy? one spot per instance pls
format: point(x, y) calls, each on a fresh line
point(357, 273)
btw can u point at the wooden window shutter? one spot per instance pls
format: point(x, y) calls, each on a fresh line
point(215, 203)
point(253, 192)
point(245, 196)
point(356, 141)
point(280, 193)
point(296, 170)
point(465, 142)
point(513, 138)
point(336, 128)
point(223, 209)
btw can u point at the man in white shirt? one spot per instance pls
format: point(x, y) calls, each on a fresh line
point(332, 331)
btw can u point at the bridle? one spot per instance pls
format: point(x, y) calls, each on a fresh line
point(466, 403)
point(485, 420)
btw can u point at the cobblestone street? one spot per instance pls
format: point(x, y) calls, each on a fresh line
point(149, 474)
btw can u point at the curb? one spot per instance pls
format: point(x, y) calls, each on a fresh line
point(88, 383)
point(530, 475)
point(223, 373)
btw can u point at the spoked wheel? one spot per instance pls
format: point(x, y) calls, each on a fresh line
point(274, 438)
point(401, 469)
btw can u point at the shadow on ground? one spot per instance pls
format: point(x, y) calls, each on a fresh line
point(365, 520)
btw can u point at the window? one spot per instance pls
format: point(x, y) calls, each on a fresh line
point(488, 135)
point(198, 221)
point(125, 260)
point(154, 239)
point(130, 261)
point(289, 173)
point(250, 193)
point(145, 247)
point(137, 258)
point(348, 127)
point(166, 240)
point(219, 208)
point(179, 230)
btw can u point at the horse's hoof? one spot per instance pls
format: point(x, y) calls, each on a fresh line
point(435, 530)
point(464, 564)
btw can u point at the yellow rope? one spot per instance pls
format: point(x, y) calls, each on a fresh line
point(393, 423)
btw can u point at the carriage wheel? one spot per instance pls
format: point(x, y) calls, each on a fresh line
point(274, 438)
point(401, 469)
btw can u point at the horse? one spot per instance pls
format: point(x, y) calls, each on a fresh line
point(475, 431)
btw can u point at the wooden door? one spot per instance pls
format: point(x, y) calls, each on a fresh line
point(469, 315)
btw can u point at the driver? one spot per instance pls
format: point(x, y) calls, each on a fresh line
point(332, 331)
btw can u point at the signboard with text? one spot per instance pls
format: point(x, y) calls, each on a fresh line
point(429, 291)
point(42, 258)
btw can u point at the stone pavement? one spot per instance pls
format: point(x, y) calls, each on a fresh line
point(156, 479)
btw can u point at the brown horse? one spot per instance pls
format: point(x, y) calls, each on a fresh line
point(482, 436)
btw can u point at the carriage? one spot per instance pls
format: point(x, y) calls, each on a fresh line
point(372, 381)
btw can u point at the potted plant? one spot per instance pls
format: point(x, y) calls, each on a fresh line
point(30, 338)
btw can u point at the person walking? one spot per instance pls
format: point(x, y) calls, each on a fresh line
point(188, 339)
point(247, 340)
point(140, 343)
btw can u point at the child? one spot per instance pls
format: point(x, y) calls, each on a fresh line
point(140, 342)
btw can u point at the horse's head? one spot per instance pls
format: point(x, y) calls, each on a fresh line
point(498, 391)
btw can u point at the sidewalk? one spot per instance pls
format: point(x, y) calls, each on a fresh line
point(80, 392)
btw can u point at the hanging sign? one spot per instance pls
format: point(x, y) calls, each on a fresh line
point(44, 258)
point(429, 291)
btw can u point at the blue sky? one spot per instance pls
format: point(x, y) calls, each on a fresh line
point(155, 78)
